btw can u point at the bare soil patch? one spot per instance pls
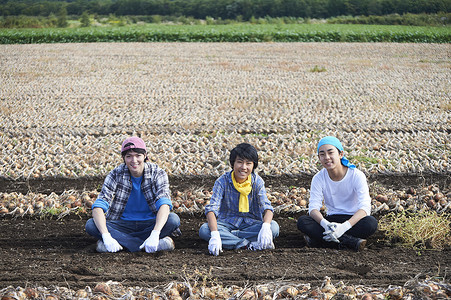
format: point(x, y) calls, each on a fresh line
point(59, 253)
point(51, 252)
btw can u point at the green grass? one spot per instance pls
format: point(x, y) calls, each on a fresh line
point(367, 161)
point(230, 33)
point(317, 69)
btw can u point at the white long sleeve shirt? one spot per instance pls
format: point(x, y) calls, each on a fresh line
point(346, 196)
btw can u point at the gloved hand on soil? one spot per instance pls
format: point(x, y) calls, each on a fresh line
point(110, 243)
point(336, 230)
point(215, 243)
point(150, 245)
point(265, 236)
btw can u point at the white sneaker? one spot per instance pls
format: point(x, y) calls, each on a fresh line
point(166, 244)
point(255, 246)
point(101, 247)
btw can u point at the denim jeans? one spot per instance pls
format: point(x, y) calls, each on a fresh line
point(237, 237)
point(362, 229)
point(131, 234)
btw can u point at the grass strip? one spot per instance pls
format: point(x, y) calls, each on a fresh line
point(230, 33)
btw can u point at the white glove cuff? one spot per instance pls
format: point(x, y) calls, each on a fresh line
point(106, 235)
point(215, 234)
point(266, 225)
point(347, 225)
point(324, 223)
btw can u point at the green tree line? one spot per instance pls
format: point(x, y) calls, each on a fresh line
point(225, 9)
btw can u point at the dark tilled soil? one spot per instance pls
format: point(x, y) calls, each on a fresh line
point(59, 253)
point(50, 252)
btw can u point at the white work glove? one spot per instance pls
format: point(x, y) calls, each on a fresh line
point(150, 245)
point(336, 230)
point(265, 236)
point(325, 224)
point(215, 243)
point(328, 228)
point(110, 243)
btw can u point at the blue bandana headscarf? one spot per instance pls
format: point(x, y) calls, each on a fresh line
point(331, 140)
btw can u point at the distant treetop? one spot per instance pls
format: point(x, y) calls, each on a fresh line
point(225, 9)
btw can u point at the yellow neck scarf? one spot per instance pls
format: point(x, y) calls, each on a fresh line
point(244, 189)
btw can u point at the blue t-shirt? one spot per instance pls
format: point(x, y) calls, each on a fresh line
point(136, 208)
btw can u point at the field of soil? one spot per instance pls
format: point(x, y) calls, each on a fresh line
point(50, 252)
point(66, 108)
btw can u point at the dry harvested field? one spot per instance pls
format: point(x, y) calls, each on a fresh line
point(65, 108)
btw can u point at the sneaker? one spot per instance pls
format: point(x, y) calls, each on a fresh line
point(310, 242)
point(176, 233)
point(361, 245)
point(255, 246)
point(353, 243)
point(101, 247)
point(166, 244)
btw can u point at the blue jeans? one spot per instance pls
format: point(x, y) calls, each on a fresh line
point(233, 237)
point(362, 229)
point(131, 234)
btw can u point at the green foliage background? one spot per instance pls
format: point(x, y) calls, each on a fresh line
point(225, 9)
point(56, 21)
point(229, 33)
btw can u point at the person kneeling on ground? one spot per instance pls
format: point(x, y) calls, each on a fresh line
point(239, 214)
point(346, 197)
point(133, 208)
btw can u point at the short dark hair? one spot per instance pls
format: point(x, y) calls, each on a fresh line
point(137, 150)
point(246, 151)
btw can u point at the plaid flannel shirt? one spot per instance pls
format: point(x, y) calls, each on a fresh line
point(225, 199)
point(118, 185)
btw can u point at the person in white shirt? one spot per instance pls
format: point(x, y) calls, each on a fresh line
point(345, 193)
